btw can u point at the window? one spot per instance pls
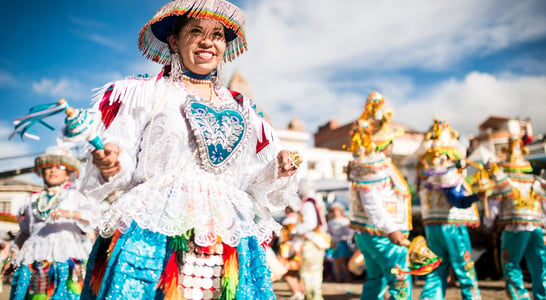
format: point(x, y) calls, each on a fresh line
point(5, 205)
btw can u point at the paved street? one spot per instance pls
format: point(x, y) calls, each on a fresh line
point(490, 290)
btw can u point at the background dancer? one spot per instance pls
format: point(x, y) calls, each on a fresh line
point(447, 207)
point(380, 204)
point(519, 202)
point(313, 231)
point(53, 240)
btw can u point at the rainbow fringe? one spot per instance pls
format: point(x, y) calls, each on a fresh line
point(230, 280)
point(169, 279)
point(101, 262)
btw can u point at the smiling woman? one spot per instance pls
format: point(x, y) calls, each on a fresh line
point(199, 170)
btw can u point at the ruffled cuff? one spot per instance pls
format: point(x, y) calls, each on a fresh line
point(271, 191)
point(96, 188)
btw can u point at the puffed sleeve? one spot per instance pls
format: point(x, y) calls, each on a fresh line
point(373, 204)
point(124, 113)
point(266, 187)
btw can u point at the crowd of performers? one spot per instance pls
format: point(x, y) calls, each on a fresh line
point(196, 171)
point(512, 199)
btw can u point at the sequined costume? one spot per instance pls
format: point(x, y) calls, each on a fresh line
point(51, 261)
point(447, 207)
point(519, 202)
point(199, 182)
point(380, 203)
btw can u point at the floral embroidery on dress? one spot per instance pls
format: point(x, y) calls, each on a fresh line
point(220, 131)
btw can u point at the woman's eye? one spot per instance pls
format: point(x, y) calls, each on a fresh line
point(218, 35)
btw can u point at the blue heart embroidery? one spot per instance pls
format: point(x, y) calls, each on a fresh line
point(219, 133)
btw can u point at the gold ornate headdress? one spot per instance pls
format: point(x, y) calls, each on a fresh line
point(442, 139)
point(371, 132)
point(515, 162)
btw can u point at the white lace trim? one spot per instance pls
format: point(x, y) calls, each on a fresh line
point(211, 208)
point(55, 247)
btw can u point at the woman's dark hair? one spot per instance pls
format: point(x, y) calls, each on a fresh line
point(183, 19)
point(178, 24)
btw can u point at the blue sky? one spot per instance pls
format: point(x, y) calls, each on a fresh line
point(313, 60)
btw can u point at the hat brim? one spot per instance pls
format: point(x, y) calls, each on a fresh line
point(49, 160)
point(163, 28)
point(517, 167)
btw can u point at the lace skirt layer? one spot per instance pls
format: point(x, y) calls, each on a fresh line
point(210, 209)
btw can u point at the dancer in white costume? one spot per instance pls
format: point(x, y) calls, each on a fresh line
point(199, 169)
point(519, 203)
point(54, 223)
point(447, 207)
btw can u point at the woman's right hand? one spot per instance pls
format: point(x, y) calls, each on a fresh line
point(396, 237)
point(107, 160)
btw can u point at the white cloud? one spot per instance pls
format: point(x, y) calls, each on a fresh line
point(62, 87)
point(465, 104)
point(106, 41)
point(298, 50)
point(294, 36)
point(87, 23)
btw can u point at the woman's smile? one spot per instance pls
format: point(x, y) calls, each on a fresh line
point(205, 55)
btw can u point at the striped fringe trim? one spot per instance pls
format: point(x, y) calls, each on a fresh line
point(453, 222)
point(371, 229)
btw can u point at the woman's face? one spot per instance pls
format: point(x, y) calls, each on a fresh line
point(55, 175)
point(201, 44)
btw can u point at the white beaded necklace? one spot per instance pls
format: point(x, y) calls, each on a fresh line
point(47, 201)
point(201, 81)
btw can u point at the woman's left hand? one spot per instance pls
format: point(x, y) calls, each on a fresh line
point(288, 162)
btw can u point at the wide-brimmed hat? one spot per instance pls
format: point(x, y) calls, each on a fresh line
point(152, 40)
point(57, 156)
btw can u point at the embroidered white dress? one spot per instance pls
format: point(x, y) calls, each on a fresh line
point(51, 261)
point(56, 240)
point(189, 164)
point(187, 167)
